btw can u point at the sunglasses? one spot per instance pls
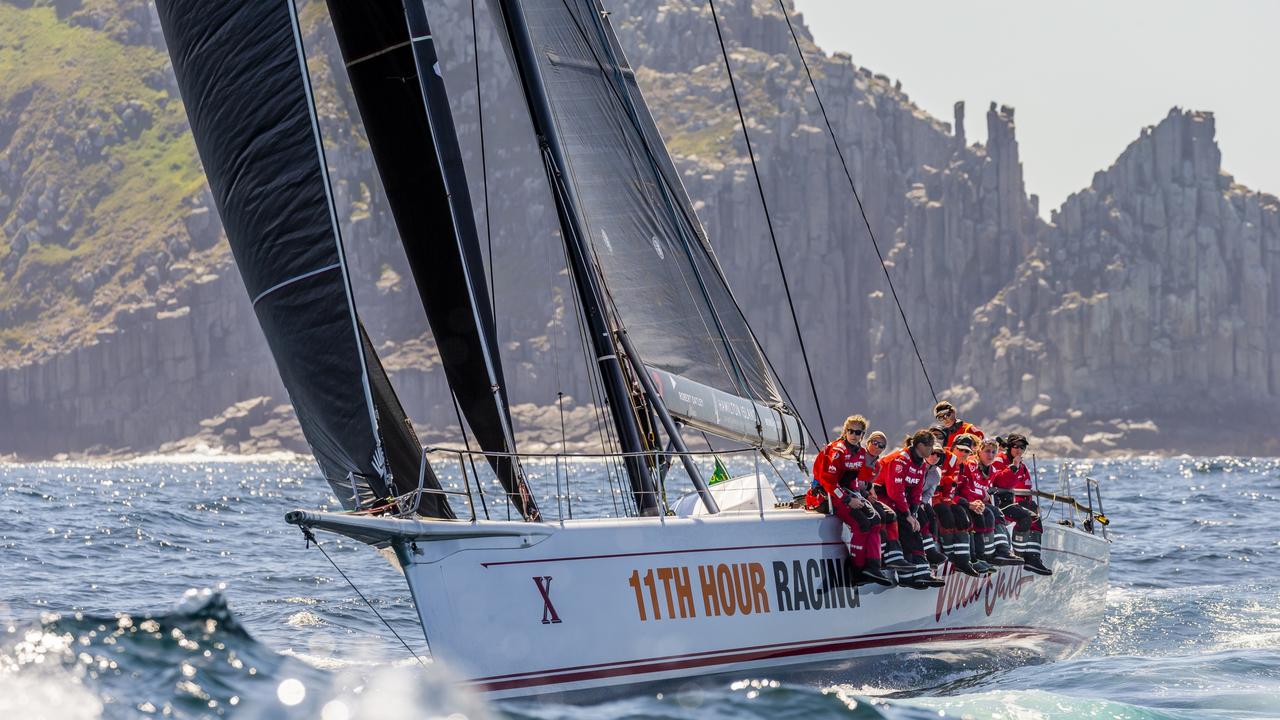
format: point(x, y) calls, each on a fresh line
point(877, 443)
point(945, 415)
point(1017, 447)
point(855, 432)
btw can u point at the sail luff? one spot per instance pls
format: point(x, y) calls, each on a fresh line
point(333, 222)
point(586, 275)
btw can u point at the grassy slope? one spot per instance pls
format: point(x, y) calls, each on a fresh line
point(75, 78)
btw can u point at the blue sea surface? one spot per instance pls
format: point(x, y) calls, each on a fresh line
point(171, 587)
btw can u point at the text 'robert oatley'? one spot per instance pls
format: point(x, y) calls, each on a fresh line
point(674, 592)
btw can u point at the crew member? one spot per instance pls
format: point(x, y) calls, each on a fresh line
point(902, 477)
point(1012, 485)
point(840, 476)
point(893, 558)
point(990, 543)
point(929, 530)
point(876, 443)
point(952, 426)
point(953, 518)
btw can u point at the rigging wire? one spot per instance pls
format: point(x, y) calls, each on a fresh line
point(862, 210)
point(484, 167)
point(311, 539)
point(466, 442)
point(594, 382)
point(782, 271)
point(685, 213)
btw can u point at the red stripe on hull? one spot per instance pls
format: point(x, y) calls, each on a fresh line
point(763, 652)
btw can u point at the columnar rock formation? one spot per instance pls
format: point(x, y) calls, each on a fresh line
point(1149, 299)
point(1147, 296)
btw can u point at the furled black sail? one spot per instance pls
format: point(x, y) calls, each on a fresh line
point(659, 271)
point(406, 118)
point(242, 73)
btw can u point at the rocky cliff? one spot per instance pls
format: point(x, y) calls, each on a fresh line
point(1144, 299)
point(1144, 311)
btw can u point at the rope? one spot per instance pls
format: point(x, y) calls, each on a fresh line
point(786, 286)
point(840, 154)
point(311, 539)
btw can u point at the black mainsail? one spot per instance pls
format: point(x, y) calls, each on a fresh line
point(391, 62)
point(242, 73)
point(662, 282)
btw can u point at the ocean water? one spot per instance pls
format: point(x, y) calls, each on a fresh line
point(171, 587)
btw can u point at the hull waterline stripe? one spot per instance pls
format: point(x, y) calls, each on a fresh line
point(1010, 629)
point(659, 552)
point(748, 655)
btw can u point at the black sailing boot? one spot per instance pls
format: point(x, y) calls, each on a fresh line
point(894, 559)
point(979, 552)
point(873, 573)
point(1001, 555)
point(924, 576)
point(914, 576)
point(958, 551)
point(931, 551)
point(1031, 556)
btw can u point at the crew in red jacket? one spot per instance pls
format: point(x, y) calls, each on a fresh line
point(953, 519)
point(973, 493)
point(902, 476)
point(936, 464)
point(952, 426)
point(841, 477)
point(1013, 497)
point(894, 558)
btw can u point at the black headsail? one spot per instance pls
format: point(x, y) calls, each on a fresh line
point(406, 116)
point(659, 273)
point(242, 72)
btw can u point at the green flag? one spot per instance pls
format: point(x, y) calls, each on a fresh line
point(720, 474)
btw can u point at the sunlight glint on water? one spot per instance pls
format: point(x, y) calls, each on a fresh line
point(96, 561)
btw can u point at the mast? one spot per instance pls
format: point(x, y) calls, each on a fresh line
point(585, 273)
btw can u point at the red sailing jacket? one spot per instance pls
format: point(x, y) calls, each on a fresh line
point(903, 480)
point(961, 427)
point(838, 465)
point(1007, 478)
point(952, 468)
point(974, 484)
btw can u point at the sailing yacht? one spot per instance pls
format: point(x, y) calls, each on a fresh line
point(724, 582)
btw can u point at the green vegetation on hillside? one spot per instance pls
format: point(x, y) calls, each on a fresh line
point(97, 169)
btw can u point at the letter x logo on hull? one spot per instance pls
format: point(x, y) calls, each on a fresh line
point(549, 615)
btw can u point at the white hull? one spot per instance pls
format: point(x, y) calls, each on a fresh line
point(626, 603)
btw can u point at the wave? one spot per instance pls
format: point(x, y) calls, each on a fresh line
point(199, 661)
